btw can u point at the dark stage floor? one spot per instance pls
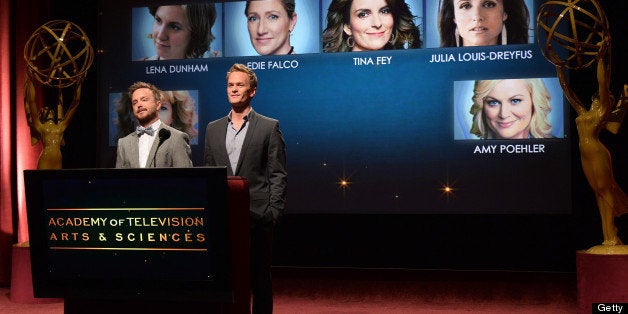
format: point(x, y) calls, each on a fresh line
point(340, 290)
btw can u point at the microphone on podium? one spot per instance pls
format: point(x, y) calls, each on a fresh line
point(163, 136)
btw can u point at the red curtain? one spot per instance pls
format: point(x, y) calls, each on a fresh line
point(6, 162)
point(20, 18)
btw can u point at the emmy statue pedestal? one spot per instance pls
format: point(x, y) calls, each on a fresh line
point(602, 278)
point(575, 35)
point(22, 278)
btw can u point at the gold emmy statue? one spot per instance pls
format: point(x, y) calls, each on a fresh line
point(58, 55)
point(577, 36)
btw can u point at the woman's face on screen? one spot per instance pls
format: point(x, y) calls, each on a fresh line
point(269, 27)
point(508, 109)
point(479, 22)
point(171, 32)
point(370, 24)
point(165, 112)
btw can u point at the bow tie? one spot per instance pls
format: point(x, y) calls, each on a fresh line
point(141, 130)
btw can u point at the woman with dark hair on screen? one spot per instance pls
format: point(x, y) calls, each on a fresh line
point(363, 25)
point(483, 22)
point(183, 31)
point(511, 109)
point(270, 23)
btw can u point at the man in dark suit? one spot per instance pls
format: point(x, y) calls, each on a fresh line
point(153, 144)
point(250, 145)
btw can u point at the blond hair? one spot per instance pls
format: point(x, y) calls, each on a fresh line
point(137, 85)
point(540, 127)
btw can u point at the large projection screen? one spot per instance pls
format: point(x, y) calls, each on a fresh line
point(386, 131)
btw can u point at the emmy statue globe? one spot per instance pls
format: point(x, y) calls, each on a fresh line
point(588, 43)
point(574, 35)
point(58, 55)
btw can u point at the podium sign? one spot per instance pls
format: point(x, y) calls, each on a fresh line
point(129, 233)
point(127, 228)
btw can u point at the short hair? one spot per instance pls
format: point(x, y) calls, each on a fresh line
point(288, 5)
point(137, 85)
point(540, 127)
point(405, 32)
point(517, 23)
point(202, 17)
point(238, 67)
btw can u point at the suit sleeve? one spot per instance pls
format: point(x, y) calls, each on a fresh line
point(121, 161)
point(181, 151)
point(277, 173)
point(208, 154)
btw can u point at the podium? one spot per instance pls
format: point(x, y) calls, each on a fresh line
point(133, 240)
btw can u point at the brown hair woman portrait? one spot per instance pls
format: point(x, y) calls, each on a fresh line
point(483, 22)
point(361, 25)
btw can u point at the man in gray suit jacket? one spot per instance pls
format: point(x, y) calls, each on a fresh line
point(251, 145)
point(153, 144)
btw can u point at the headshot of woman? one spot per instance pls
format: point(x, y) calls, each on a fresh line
point(483, 22)
point(511, 109)
point(271, 27)
point(270, 24)
point(178, 110)
point(183, 31)
point(364, 25)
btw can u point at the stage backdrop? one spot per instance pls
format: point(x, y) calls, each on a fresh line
point(394, 125)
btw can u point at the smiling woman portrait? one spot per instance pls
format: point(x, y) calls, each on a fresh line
point(270, 24)
point(483, 22)
point(183, 31)
point(366, 25)
point(511, 109)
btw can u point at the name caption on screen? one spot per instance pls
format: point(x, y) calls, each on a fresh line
point(481, 56)
point(179, 68)
point(273, 65)
point(510, 149)
point(381, 60)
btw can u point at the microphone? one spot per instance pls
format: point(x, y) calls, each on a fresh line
point(163, 136)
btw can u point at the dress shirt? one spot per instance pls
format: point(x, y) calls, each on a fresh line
point(146, 142)
point(234, 140)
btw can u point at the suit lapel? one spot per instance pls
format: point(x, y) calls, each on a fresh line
point(222, 157)
point(135, 151)
point(247, 139)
